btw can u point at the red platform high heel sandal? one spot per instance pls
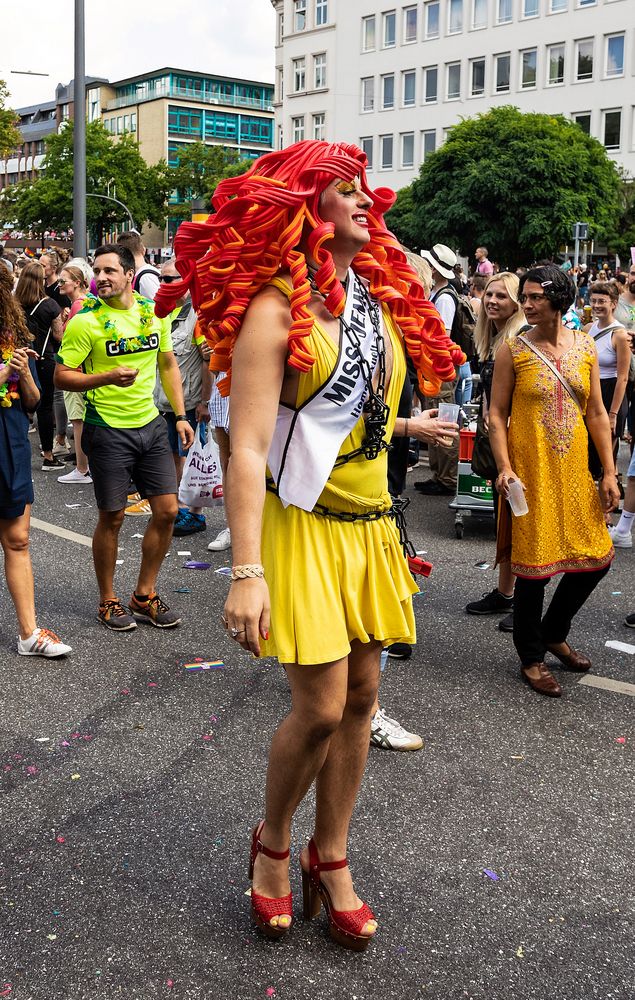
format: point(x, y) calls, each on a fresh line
point(345, 926)
point(263, 908)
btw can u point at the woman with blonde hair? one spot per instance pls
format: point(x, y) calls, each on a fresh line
point(73, 282)
point(500, 318)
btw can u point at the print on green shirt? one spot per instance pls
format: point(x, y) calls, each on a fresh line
point(99, 339)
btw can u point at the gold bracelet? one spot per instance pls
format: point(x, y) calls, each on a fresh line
point(250, 571)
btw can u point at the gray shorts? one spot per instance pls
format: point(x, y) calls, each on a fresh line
point(117, 455)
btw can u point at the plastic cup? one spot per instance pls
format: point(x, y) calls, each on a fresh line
point(516, 497)
point(449, 412)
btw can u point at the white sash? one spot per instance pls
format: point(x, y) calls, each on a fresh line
point(306, 441)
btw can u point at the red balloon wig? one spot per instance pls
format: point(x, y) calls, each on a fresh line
point(259, 220)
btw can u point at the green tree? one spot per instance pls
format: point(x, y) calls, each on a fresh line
point(110, 164)
point(513, 182)
point(200, 168)
point(10, 136)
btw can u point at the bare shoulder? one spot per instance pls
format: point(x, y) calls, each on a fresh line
point(268, 315)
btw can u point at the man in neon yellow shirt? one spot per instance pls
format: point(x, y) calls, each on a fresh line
point(110, 353)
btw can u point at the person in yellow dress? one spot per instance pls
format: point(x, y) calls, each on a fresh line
point(309, 300)
point(545, 447)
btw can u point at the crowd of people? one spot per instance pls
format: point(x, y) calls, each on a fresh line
point(327, 341)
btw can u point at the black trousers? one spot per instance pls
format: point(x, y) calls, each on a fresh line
point(532, 631)
point(45, 422)
point(398, 452)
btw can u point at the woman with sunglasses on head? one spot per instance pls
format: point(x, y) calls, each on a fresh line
point(614, 357)
point(547, 384)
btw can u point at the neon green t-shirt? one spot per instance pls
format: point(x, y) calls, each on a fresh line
point(99, 339)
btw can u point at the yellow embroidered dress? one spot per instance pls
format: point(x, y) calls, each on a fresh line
point(333, 581)
point(564, 530)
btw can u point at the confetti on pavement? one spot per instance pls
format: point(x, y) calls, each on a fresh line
point(490, 874)
point(204, 665)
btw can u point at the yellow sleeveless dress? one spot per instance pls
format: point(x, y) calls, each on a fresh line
point(334, 581)
point(564, 530)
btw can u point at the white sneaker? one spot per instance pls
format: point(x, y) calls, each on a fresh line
point(75, 477)
point(222, 541)
point(620, 539)
point(389, 735)
point(43, 642)
point(61, 449)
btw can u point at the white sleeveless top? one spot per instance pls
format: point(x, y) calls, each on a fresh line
point(607, 355)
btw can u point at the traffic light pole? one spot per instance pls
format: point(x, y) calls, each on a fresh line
point(79, 135)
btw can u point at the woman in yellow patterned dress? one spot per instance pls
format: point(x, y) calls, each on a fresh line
point(546, 448)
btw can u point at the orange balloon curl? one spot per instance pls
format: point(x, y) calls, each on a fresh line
point(260, 219)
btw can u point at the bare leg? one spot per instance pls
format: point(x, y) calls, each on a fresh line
point(14, 537)
point(340, 777)
point(105, 538)
point(506, 579)
point(81, 459)
point(298, 751)
point(156, 540)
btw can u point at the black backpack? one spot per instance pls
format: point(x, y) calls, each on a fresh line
point(462, 332)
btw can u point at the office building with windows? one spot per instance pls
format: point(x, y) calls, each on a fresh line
point(396, 78)
point(164, 110)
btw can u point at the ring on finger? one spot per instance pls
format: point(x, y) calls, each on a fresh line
point(236, 631)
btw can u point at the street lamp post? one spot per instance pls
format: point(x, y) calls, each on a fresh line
point(79, 136)
point(107, 197)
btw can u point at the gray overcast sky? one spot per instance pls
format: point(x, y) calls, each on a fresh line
point(126, 37)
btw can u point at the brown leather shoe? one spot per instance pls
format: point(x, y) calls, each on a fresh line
point(545, 684)
point(571, 660)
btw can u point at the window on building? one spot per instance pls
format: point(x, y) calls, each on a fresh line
point(126, 123)
point(502, 64)
point(530, 8)
point(555, 65)
point(583, 119)
point(280, 28)
point(299, 75)
point(584, 59)
point(408, 88)
point(388, 91)
point(407, 149)
point(389, 32)
point(503, 11)
point(368, 93)
point(612, 128)
point(587, 3)
point(455, 17)
point(133, 121)
point(321, 12)
point(431, 13)
point(453, 86)
point(557, 6)
point(528, 66)
point(280, 83)
point(297, 128)
point(385, 147)
point(409, 25)
point(66, 112)
point(319, 124)
point(430, 84)
point(368, 33)
point(479, 13)
point(477, 77)
point(615, 55)
point(299, 9)
point(366, 146)
point(428, 144)
point(319, 70)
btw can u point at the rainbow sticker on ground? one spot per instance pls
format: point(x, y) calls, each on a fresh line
point(204, 665)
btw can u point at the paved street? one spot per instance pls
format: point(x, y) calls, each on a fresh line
point(130, 786)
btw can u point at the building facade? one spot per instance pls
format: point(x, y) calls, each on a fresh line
point(164, 110)
point(395, 77)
